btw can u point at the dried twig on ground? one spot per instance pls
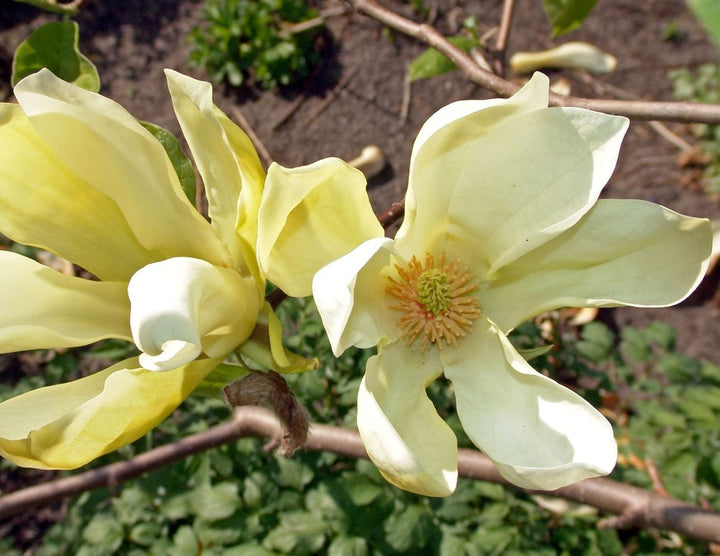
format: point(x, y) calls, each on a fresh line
point(687, 112)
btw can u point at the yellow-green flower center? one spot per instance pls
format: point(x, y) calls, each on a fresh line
point(434, 290)
point(433, 301)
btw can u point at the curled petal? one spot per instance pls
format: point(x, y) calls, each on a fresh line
point(574, 55)
point(540, 435)
point(68, 425)
point(310, 216)
point(411, 445)
point(107, 148)
point(43, 309)
point(182, 307)
point(623, 252)
point(351, 299)
point(228, 163)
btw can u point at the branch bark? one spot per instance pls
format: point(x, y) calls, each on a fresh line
point(687, 112)
point(633, 505)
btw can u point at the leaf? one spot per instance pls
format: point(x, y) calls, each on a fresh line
point(708, 12)
point(634, 345)
point(57, 7)
point(185, 542)
point(348, 546)
point(532, 353)
point(661, 334)
point(55, 46)
point(294, 474)
point(408, 529)
point(105, 533)
point(215, 502)
point(145, 534)
point(431, 63)
point(596, 341)
point(361, 490)
point(566, 15)
point(298, 533)
point(181, 163)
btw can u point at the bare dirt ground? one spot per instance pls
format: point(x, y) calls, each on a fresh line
point(356, 98)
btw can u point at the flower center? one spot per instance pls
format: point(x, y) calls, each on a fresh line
point(433, 301)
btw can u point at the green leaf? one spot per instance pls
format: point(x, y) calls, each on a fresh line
point(298, 533)
point(361, 490)
point(408, 529)
point(181, 163)
point(348, 546)
point(215, 502)
point(55, 46)
point(293, 473)
point(532, 353)
point(596, 341)
point(708, 12)
point(105, 533)
point(566, 15)
point(661, 334)
point(634, 345)
point(145, 534)
point(186, 543)
point(431, 63)
point(57, 7)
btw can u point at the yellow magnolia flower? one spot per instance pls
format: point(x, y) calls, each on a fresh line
point(80, 177)
point(502, 223)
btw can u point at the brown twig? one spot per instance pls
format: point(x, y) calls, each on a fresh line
point(635, 506)
point(503, 36)
point(687, 112)
point(391, 215)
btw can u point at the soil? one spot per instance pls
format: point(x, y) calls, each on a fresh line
point(356, 99)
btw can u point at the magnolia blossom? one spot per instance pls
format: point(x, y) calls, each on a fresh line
point(502, 222)
point(80, 177)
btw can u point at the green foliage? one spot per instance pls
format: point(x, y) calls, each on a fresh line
point(566, 15)
point(703, 85)
point(55, 46)
point(708, 12)
point(240, 500)
point(431, 63)
point(242, 37)
point(181, 163)
point(61, 7)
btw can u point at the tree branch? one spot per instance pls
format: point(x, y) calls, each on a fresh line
point(633, 505)
point(686, 112)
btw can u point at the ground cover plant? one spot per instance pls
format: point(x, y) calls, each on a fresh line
point(656, 383)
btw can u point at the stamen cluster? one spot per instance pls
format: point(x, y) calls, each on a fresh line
point(434, 301)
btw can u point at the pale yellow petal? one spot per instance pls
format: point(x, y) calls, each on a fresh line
point(457, 124)
point(226, 159)
point(68, 425)
point(408, 441)
point(105, 146)
point(44, 204)
point(42, 308)
point(539, 434)
point(351, 298)
point(491, 199)
point(182, 307)
point(310, 216)
point(623, 252)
